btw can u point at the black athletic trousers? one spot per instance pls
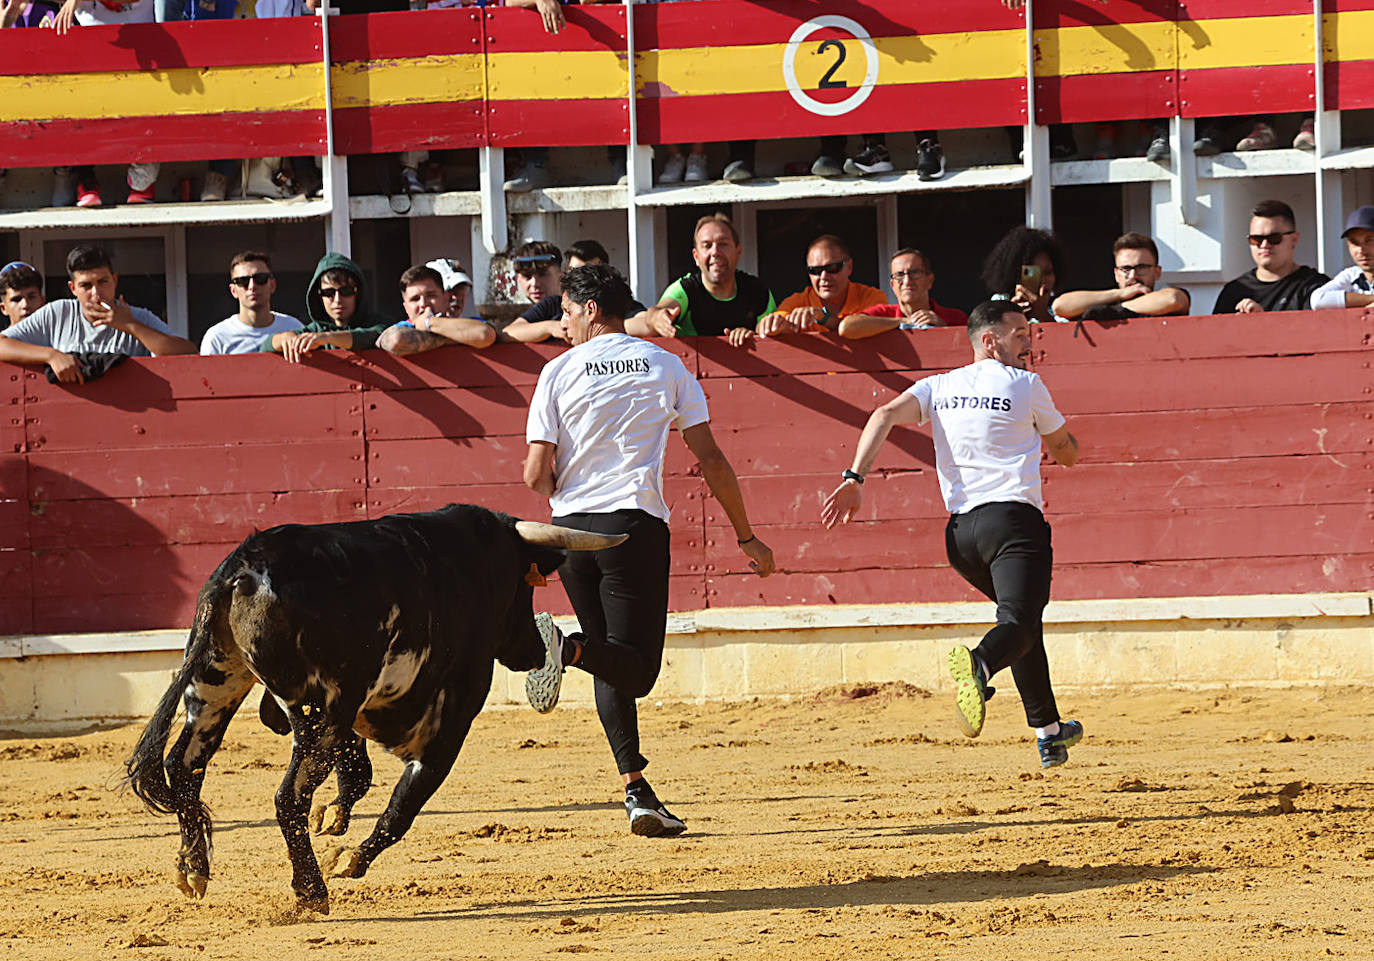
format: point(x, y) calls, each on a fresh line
point(620, 596)
point(1003, 549)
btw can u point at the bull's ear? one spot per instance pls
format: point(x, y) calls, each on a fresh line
point(546, 559)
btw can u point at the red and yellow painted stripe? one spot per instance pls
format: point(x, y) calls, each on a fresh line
point(705, 70)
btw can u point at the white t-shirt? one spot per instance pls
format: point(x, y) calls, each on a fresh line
point(95, 13)
point(60, 324)
point(233, 336)
point(986, 420)
point(608, 405)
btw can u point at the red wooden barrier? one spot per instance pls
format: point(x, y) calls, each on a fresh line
point(1226, 455)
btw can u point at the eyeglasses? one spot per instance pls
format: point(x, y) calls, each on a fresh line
point(1128, 269)
point(834, 268)
point(260, 279)
point(912, 274)
point(329, 293)
point(1273, 240)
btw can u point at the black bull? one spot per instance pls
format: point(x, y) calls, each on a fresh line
point(385, 630)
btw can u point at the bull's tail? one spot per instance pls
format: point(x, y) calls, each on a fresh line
point(146, 770)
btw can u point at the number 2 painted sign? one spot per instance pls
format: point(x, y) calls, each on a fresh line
point(839, 49)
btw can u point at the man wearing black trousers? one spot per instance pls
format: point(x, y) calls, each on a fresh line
point(988, 421)
point(598, 431)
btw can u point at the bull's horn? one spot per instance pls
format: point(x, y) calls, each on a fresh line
point(551, 535)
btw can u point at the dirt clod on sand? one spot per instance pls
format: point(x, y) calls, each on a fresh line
point(851, 823)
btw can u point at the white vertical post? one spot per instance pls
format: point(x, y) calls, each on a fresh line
point(335, 168)
point(745, 217)
point(1183, 169)
point(1329, 183)
point(1035, 142)
point(174, 260)
point(491, 174)
point(888, 239)
point(638, 177)
point(481, 261)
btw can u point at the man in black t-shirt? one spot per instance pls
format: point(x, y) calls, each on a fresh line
point(717, 299)
point(1138, 292)
point(545, 318)
point(1277, 282)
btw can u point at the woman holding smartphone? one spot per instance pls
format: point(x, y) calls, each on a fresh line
point(1025, 267)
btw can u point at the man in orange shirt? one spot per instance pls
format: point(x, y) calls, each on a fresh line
point(831, 297)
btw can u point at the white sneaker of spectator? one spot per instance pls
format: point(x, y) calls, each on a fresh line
point(215, 188)
point(265, 178)
point(673, 170)
point(142, 181)
point(696, 169)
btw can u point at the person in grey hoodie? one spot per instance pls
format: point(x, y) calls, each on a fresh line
point(336, 306)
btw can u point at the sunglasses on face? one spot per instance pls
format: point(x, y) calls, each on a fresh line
point(834, 268)
point(329, 293)
point(1273, 240)
point(260, 279)
point(16, 263)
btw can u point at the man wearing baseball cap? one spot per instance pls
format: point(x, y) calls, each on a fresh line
point(430, 321)
point(1354, 286)
point(457, 283)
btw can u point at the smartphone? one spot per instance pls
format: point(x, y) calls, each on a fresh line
point(1030, 277)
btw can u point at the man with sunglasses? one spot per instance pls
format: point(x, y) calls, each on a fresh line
point(830, 297)
point(912, 278)
point(336, 305)
point(250, 283)
point(1277, 282)
point(1135, 260)
point(21, 291)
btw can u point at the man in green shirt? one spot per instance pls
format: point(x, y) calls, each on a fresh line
point(716, 299)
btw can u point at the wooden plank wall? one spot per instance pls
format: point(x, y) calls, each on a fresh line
point(1222, 455)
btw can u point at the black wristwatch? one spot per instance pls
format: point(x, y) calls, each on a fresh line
point(855, 476)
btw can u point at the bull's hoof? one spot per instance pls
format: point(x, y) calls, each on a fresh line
point(318, 903)
point(329, 819)
point(341, 862)
point(192, 885)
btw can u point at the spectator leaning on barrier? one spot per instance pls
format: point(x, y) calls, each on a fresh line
point(1135, 261)
point(1024, 268)
point(21, 291)
point(831, 296)
point(715, 299)
point(140, 177)
point(1277, 282)
point(96, 321)
point(429, 322)
point(1354, 286)
point(545, 319)
point(912, 279)
point(339, 317)
point(457, 283)
point(252, 284)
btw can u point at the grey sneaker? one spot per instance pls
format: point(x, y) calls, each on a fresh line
point(648, 817)
point(527, 178)
point(735, 171)
point(543, 683)
point(970, 691)
point(824, 166)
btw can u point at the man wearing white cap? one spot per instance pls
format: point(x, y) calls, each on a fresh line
point(1354, 286)
point(429, 319)
point(457, 284)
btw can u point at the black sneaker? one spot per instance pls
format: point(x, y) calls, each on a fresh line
point(543, 683)
point(1054, 750)
point(874, 159)
point(1158, 150)
point(648, 817)
point(930, 160)
point(1208, 142)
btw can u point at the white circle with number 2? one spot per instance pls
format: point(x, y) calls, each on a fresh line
point(789, 66)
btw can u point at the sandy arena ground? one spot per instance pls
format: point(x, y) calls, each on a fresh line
point(1230, 824)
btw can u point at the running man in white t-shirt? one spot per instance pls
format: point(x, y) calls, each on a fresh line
point(988, 421)
point(598, 431)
